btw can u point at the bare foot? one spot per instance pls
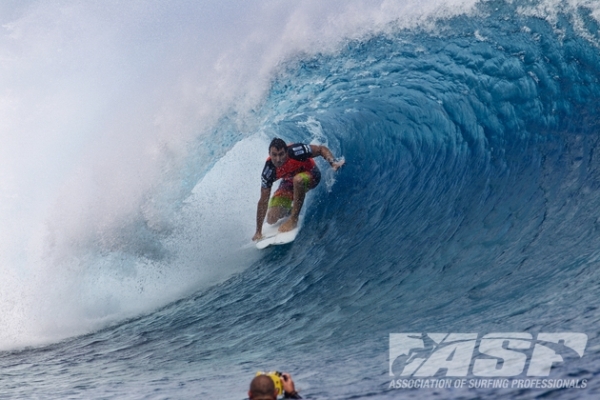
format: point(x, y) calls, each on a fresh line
point(288, 225)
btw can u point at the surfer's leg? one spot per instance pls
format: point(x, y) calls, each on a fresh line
point(303, 182)
point(276, 213)
point(301, 185)
point(281, 203)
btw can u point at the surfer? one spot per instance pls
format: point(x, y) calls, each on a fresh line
point(295, 165)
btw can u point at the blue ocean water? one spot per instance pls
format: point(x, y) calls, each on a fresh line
point(469, 203)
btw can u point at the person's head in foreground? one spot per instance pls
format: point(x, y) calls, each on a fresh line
point(270, 385)
point(262, 387)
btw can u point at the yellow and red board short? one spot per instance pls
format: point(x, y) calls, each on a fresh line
point(284, 195)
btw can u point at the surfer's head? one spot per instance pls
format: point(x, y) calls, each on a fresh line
point(278, 152)
point(278, 144)
point(262, 387)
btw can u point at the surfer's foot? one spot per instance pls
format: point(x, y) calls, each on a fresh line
point(288, 225)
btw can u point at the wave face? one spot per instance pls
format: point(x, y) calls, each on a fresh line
point(469, 203)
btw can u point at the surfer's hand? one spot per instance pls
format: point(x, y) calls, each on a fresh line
point(257, 236)
point(337, 164)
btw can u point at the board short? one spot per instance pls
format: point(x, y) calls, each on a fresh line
point(284, 195)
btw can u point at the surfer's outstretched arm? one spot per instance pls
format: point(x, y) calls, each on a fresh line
point(261, 211)
point(327, 155)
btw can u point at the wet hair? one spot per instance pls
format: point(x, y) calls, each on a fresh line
point(262, 386)
point(278, 144)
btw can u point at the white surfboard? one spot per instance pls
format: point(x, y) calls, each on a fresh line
point(272, 236)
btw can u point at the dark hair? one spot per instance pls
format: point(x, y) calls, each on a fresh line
point(278, 144)
point(261, 386)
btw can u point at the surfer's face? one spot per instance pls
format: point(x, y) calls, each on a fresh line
point(279, 157)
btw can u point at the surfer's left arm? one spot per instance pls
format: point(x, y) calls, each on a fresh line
point(327, 155)
point(261, 211)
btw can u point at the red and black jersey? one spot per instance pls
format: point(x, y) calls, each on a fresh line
point(299, 160)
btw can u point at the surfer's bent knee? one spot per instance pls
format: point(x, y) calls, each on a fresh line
point(309, 179)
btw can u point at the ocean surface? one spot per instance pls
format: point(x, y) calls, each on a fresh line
point(132, 138)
